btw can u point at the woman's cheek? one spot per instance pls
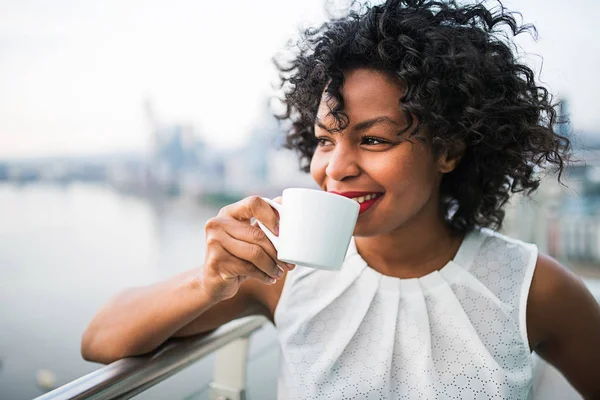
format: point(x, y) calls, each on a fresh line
point(317, 169)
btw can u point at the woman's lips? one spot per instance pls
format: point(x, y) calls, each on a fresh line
point(364, 206)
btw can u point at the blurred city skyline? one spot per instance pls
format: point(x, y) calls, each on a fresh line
point(74, 75)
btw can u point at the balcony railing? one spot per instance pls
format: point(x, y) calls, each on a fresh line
point(128, 377)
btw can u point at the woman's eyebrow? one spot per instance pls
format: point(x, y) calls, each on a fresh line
point(361, 126)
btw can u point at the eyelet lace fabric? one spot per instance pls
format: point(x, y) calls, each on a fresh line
point(456, 333)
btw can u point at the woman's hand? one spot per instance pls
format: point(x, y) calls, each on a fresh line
point(237, 250)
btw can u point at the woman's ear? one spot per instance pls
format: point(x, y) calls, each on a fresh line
point(450, 158)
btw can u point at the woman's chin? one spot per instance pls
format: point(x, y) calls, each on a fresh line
point(366, 229)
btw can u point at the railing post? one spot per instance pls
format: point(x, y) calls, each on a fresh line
point(229, 382)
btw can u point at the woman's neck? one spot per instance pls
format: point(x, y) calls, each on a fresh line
point(422, 245)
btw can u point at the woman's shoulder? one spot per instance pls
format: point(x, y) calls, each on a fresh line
point(489, 254)
point(563, 320)
point(556, 295)
point(546, 295)
point(493, 237)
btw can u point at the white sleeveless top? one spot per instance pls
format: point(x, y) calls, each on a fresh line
point(455, 333)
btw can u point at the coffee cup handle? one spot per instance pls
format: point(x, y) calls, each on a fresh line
point(274, 239)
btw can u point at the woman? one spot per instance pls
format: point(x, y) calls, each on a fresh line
point(423, 105)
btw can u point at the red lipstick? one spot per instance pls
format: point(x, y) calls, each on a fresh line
point(364, 206)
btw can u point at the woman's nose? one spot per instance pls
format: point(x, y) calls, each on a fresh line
point(342, 163)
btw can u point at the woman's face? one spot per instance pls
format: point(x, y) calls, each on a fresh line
point(370, 157)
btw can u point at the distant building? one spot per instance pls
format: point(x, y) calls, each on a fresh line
point(175, 150)
point(563, 118)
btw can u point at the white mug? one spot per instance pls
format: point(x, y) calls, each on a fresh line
point(315, 227)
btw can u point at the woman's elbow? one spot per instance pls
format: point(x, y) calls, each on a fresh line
point(93, 350)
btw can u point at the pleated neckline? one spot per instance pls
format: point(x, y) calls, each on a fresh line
point(448, 273)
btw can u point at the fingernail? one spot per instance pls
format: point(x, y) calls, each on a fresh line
point(279, 271)
point(272, 281)
point(290, 266)
point(283, 264)
point(277, 229)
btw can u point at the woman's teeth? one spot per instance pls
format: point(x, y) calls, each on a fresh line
point(368, 197)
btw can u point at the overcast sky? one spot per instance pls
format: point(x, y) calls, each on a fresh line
point(74, 74)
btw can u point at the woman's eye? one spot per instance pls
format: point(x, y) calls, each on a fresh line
point(367, 140)
point(322, 141)
point(372, 141)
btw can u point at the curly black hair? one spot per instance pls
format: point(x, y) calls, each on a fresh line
point(463, 86)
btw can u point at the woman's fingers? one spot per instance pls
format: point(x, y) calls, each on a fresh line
point(252, 234)
point(253, 207)
point(246, 209)
point(249, 270)
point(279, 262)
point(235, 268)
point(246, 249)
point(263, 240)
point(278, 200)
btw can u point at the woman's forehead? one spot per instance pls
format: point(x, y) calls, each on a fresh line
point(366, 94)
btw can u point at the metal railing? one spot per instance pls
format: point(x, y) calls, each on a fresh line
point(128, 377)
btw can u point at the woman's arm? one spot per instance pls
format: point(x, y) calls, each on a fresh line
point(138, 320)
point(563, 320)
point(240, 264)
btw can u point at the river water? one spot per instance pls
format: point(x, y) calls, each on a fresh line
point(64, 251)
